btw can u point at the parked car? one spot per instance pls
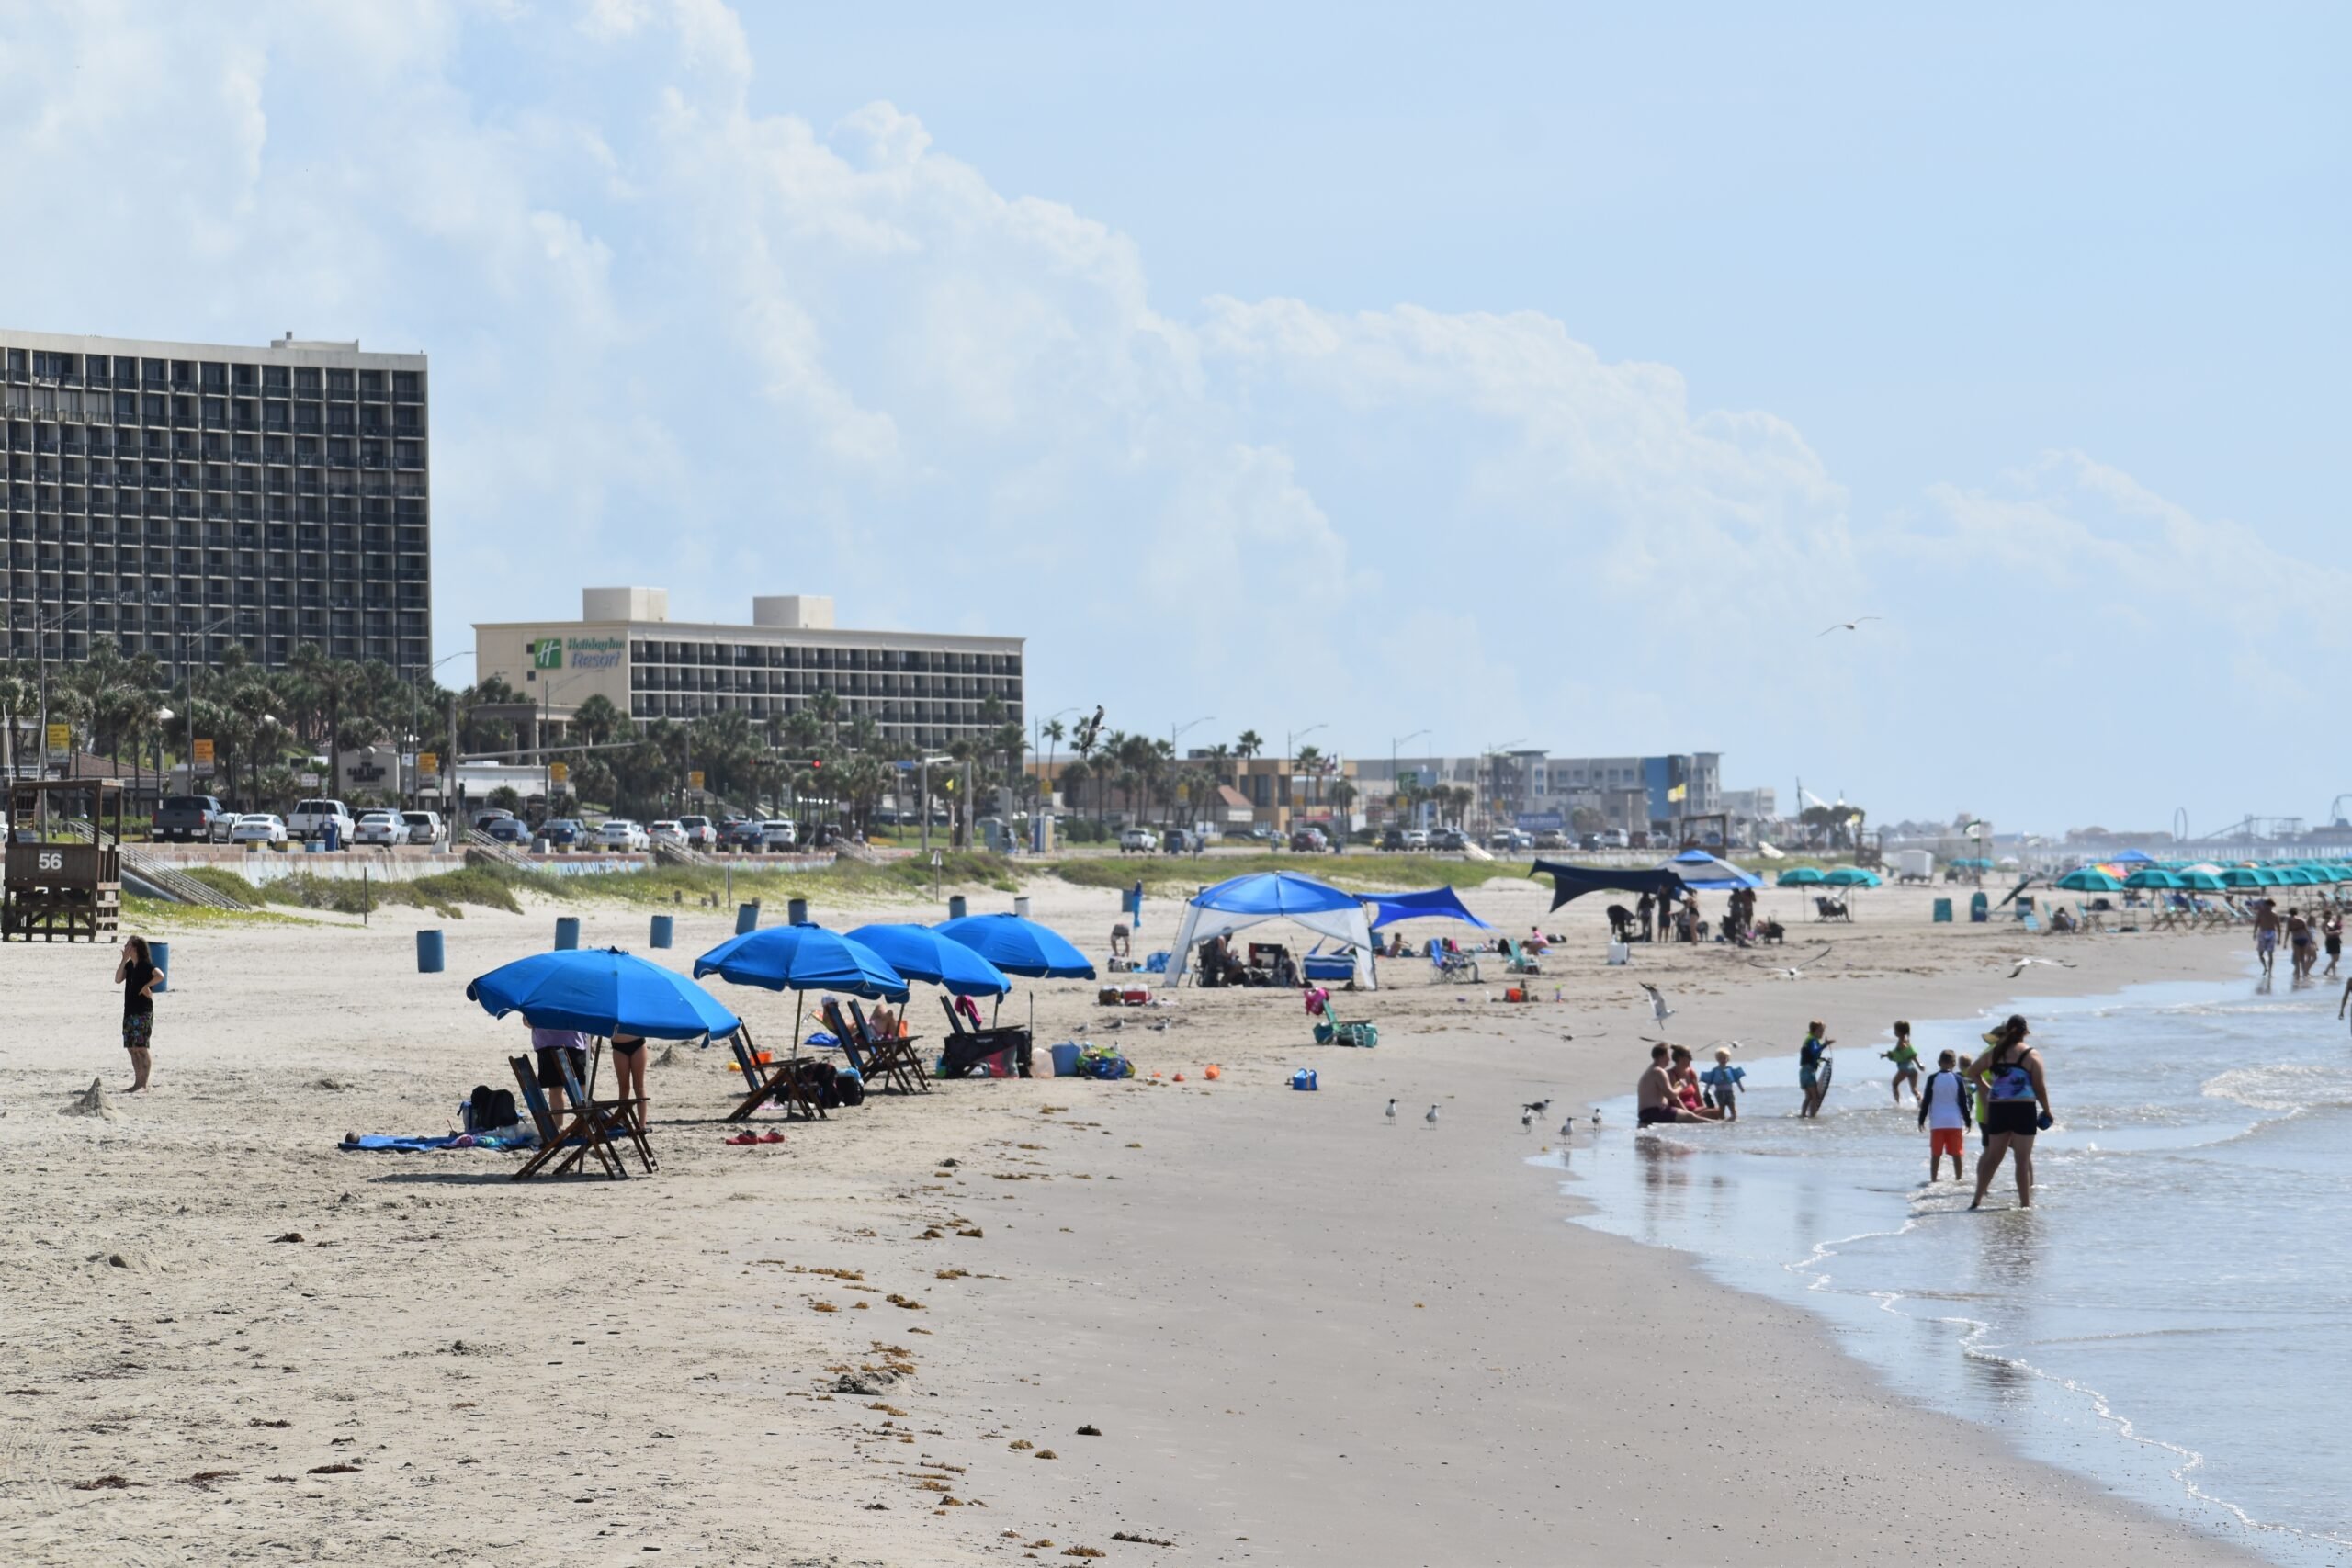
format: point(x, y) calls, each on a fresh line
point(1638, 838)
point(1261, 833)
point(743, 833)
point(1138, 841)
point(192, 817)
point(620, 833)
point(1392, 838)
point(1551, 839)
point(1309, 842)
point(505, 827)
point(778, 836)
point(667, 832)
point(1451, 838)
point(257, 828)
point(423, 826)
point(1612, 839)
point(1176, 841)
point(563, 832)
point(383, 828)
point(312, 820)
point(696, 832)
point(1510, 841)
point(1417, 837)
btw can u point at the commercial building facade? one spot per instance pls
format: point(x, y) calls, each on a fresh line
point(1535, 789)
point(922, 690)
point(179, 498)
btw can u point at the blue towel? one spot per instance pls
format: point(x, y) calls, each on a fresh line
point(387, 1143)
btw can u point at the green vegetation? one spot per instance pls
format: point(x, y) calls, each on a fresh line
point(1165, 873)
point(149, 915)
point(895, 878)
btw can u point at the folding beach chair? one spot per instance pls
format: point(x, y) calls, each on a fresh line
point(578, 1129)
point(894, 1054)
point(775, 1081)
point(869, 1065)
point(611, 1116)
point(2032, 921)
point(1515, 959)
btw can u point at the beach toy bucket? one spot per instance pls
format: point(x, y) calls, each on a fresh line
point(747, 917)
point(1065, 1059)
point(1303, 1079)
point(660, 936)
point(428, 952)
point(567, 931)
point(161, 953)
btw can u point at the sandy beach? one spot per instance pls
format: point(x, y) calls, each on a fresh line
point(1299, 1333)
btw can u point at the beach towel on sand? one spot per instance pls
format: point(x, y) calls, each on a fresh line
point(387, 1143)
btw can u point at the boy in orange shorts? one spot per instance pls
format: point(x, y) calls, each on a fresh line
point(1943, 1110)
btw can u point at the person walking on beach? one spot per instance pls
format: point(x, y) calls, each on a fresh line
point(137, 973)
point(2302, 945)
point(2017, 1107)
point(2331, 931)
point(2266, 933)
point(1813, 1066)
point(1655, 1094)
point(1943, 1111)
point(1905, 1057)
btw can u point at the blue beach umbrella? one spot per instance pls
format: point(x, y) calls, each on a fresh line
point(921, 953)
point(602, 991)
point(798, 959)
point(1019, 947)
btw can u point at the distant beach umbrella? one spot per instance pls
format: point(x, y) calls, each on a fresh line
point(1801, 876)
point(2243, 876)
point(2200, 881)
point(1852, 876)
point(2154, 878)
point(2090, 879)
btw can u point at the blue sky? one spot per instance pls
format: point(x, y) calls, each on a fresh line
point(1554, 372)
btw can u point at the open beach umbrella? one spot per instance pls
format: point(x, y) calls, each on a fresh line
point(2296, 876)
point(1019, 947)
point(2153, 878)
point(800, 959)
point(2199, 880)
point(921, 953)
point(2243, 876)
point(2090, 879)
point(601, 991)
point(1852, 876)
point(2136, 857)
point(1799, 876)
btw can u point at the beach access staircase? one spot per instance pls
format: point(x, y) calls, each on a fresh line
point(150, 875)
point(680, 854)
point(481, 847)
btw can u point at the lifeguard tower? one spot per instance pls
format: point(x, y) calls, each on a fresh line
point(64, 880)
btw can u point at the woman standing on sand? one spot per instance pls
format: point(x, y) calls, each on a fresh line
point(137, 975)
point(2017, 1107)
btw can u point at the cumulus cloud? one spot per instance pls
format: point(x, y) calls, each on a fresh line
point(683, 338)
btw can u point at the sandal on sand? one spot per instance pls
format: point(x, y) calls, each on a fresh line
point(771, 1137)
point(741, 1139)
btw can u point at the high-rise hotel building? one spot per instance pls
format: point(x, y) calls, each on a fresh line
point(181, 497)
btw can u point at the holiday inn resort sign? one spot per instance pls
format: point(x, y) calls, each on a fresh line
point(586, 652)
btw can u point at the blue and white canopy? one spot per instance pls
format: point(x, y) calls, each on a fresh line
point(1244, 901)
point(1699, 869)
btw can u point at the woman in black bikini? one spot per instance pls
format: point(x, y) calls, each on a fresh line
point(628, 1073)
point(2017, 1107)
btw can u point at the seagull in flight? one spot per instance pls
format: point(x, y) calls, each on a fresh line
point(1853, 626)
point(1794, 971)
point(2026, 964)
point(1431, 1117)
point(1658, 1010)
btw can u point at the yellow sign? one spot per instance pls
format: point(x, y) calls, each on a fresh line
point(1678, 792)
point(203, 753)
point(61, 738)
point(693, 779)
point(558, 772)
point(429, 763)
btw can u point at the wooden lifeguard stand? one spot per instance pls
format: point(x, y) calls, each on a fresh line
point(67, 890)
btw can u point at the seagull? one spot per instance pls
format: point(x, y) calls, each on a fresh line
point(1392, 1108)
point(1596, 1116)
point(1568, 1126)
point(2025, 963)
point(1794, 972)
point(1431, 1117)
point(1658, 1010)
point(1526, 1120)
point(1536, 1107)
point(1853, 626)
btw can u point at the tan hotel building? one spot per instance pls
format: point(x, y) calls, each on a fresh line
point(922, 689)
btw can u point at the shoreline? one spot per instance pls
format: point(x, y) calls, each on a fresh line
point(1303, 1334)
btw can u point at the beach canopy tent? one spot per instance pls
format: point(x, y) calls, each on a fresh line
point(1709, 873)
point(921, 953)
point(1802, 877)
point(1437, 903)
point(1243, 901)
point(2135, 857)
point(1575, 881)
point(1852, 876)
point(602, 991)
point(1019, 947)
point(2090, 879)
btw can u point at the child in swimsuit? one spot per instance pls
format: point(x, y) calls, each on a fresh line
point(1905, 1058)
point(1724, 1078)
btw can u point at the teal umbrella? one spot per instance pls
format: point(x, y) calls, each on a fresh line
point(2202, 882)
point(2298, 876)
point(2089, 879)
point(1801, 876)
point(1852, 876)
point(2243, 876)
point(2153, 878)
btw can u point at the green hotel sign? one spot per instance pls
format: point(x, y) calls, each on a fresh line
point(579, 652)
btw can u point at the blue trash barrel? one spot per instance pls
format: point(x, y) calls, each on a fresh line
point(956, 906)
point(795, 912)
point(747, 918)
point(428, 952)
point(334, 836)
point(661, 937)
point(161, 953)
point(567, 931)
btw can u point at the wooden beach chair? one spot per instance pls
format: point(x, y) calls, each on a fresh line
point(894, 1053)
point(775, 1081)
point(614, 1118)
point(852, 1045)
point(575, 1130)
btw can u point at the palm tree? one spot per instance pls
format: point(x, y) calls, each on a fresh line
point(1309, 762)
point(1053, 732)
point(1250, 744)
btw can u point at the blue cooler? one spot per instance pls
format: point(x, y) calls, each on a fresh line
point(1303, 1078)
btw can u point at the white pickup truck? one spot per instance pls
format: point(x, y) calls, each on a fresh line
point(312, 818)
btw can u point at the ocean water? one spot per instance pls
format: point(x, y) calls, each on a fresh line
point(2173, 1316)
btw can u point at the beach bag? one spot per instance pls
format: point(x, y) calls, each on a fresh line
point(846, 1088)
point(489, 1108)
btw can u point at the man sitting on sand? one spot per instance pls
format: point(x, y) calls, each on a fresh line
point(1655, 1093)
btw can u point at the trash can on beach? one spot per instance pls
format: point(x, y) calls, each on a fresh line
point(428, 952)
point(567, 931)
point(160, 955)
point(660, 933)
point(747, 918)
